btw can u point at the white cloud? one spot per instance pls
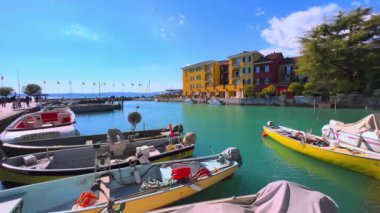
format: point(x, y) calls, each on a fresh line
point(81, 32)
point(259, 11)
point(283, 34)
point(171, 25)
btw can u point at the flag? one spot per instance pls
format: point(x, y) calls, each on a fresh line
point(83, 83)
point(2, 77)
point(58, 82)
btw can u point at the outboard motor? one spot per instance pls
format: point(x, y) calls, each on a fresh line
point(190, 138)
point(178, 128)
point(116, 142)
point(233, 154)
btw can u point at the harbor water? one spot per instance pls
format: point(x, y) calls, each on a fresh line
point(219, 127)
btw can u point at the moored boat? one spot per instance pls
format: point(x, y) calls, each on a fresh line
point(188, 101)
point(133, 189)
point(53, 144)
point(215, 102)
point(57, 123)
point(364, 133)
point(50, 165)
point(278, 196)
point(353, 158)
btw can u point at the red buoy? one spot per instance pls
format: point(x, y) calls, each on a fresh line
point(264, 134)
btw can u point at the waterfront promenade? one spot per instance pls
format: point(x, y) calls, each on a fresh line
point(8, 114)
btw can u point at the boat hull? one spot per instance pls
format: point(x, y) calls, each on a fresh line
point(368, 140)
point(366, 166)
point(15, 176)
point(164, 198)
point(54, 144)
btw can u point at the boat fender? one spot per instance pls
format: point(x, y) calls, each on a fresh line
point(87, 199)
point(195, 187)
point(233, 153)
point(190, 138)
point(264, 134)
point(136, 173)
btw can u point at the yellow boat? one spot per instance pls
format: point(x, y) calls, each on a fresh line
point(353, 158)
point(132, 189)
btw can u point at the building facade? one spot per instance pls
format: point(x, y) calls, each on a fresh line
point(228, 78)
point(266, 70)
point(241, 72)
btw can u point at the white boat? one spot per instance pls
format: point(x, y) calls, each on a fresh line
point(215, 102)
point(363, 133)
point(188, 101)
point(57, 123)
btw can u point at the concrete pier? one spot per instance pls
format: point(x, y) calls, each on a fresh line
point(7, 114)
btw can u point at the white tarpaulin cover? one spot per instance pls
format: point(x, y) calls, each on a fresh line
point(279, 196)
point(369, 123)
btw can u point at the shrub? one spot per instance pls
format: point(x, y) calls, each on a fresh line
point(296, 88)
point(270, 90)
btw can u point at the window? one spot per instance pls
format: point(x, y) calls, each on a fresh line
point(289, 69)
point(243, 70)
point(266, 80)
point(266, 68)
point(249, 70)
point(237, 73)
point(257, 69)
point(248, 81)
point(243, 81)
point(243, 59)
point(249, 58)
point(237, 62)
point(257, 81)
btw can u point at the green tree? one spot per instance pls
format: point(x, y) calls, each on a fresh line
point(32, 89)
point(308, 89)
point(5, 91)
point(295, 88)
point(269, 90)
point(344, 52)
point(249, 91)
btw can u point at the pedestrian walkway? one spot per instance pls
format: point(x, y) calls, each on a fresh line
point(7, 111)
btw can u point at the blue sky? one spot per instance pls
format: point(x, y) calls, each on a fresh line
point(129, 42)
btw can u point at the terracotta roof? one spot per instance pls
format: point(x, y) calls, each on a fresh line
point(198, 64)
point(289, 60)
point(244, 53)
point(269, 58)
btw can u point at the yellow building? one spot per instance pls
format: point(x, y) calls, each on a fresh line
point(209, 78)
point(201, 79)
point(241, 72)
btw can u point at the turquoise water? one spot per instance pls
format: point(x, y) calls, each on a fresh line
point(219, 127)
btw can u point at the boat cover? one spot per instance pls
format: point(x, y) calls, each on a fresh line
point(279, 196)
point(369, 123)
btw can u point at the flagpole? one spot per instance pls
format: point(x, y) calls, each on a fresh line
point(70, 89)
point(18, 83)
point(100, 95)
